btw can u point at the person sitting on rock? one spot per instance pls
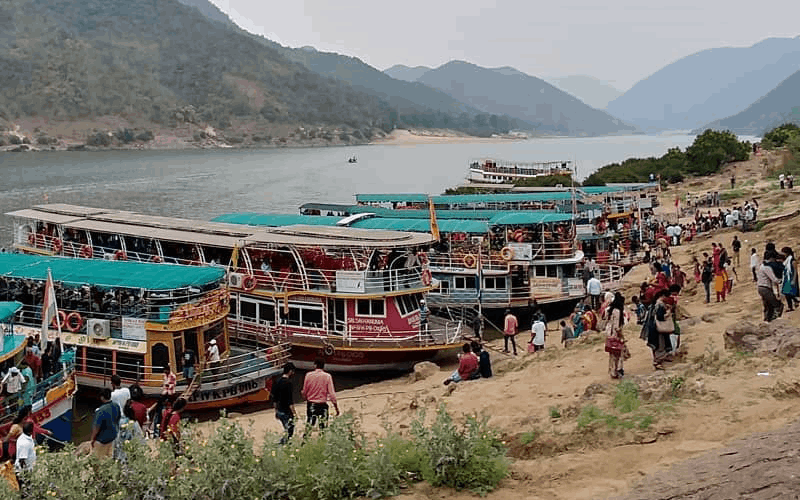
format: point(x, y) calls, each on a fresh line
point(467, 365)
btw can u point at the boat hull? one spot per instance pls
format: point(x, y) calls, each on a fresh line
point(370, 359)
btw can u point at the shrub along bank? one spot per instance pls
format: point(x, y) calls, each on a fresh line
point(340, 462)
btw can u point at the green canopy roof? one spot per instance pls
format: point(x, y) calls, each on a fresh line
point(474, 199)
point(276, 220)
point(521, 218)
point(106, 273)
point(8, 310)
point(424, 225)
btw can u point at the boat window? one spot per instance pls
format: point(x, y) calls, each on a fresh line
point(159, 357)
point(105, 241)
point(140, 249)
point(375, 307)
point(465, 282)
point(305, 315)
point(552, 271)
point(190, 339)
point(98, 361)
point(442, 289)
point(539, 271)
point(407, 304)
point(216, 255)
point(234, 302)
point(266, 313)
point(130, 365)
point(247, 311)
point(494, 283)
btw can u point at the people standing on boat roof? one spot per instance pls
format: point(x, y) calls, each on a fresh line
point(282, 397)
point(510, 330)
point(318, 390)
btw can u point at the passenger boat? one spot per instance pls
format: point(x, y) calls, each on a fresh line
point(52, 399)
point(348, 295)
point(506, 259)
point(489, 171)
point(134, 318)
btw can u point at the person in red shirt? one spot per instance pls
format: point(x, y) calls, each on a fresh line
point(467, 365)
point(318, 390)
point(139, 408)
point(170, 425)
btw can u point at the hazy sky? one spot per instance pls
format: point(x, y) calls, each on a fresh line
point(620, 41)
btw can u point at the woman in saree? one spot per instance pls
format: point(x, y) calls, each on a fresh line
point(789, 286)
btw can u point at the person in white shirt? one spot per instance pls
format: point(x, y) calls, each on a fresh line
point(735, 214)
point(537, 335)
point(13, 381)
point(120, 395)
point(212, 355)
point(754, 263)
point(594, 288)
point(26, 449)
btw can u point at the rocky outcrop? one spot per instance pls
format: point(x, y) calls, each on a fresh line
point(423, 370)
point(778, 337)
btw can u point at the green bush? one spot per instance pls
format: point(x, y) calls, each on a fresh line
point(337, 463)
point(626, 399)
point(779, 136)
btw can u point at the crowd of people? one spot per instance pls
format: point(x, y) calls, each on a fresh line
point(18, 383)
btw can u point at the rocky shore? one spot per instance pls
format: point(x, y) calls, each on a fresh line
point(576, 434)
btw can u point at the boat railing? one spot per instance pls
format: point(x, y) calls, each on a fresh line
point(336, 281)
point(609, 275)
point(434, 333)
point(57, 379)
point(464, 261)
point(209, 305)
point(250, 361)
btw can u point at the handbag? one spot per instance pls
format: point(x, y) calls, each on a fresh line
point(614, 345)
point(667, 325)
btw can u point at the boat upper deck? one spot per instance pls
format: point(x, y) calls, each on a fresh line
point(10, 344)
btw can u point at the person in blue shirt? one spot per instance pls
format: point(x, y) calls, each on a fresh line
point(105, 426)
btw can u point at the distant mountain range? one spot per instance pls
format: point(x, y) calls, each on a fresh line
point(596, 93)
point(509, 91)
point(709, 85)
point(400, 72)
point(779, 106)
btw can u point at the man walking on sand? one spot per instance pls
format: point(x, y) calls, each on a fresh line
point(736, 245)
point(510, 330)
point(318, 390)
point(595, 289)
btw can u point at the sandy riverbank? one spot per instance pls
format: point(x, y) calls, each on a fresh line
point(403, 137)
point(720, 395)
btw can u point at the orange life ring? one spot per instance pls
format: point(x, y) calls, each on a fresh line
point(423, 258)
point(507, 253)
point(57, 245)
point(426, 277)
point(249, 282)
point(470, 261)
point(73, 322)
point(86, 252)
point(120, 255)
point(519, 235)
point(156, 258)
point(32, 239)
point(59, 320)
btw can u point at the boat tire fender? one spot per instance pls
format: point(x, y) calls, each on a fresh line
point(73, 322)
point(470, 261)
point(328, 349)
point(249, 282)
point(507, 253)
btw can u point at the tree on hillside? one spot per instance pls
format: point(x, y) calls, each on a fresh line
point(779, 136)
point(713, 149)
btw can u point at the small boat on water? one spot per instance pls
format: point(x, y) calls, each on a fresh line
point(352, 159)
point(134, 318)
point(351, 296)
point(53, 396)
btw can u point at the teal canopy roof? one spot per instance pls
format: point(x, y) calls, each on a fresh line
point(475, 199)
point(522, 218)
point(8, 310)
point(276, 220)
point(106, 273)
point(424, 225)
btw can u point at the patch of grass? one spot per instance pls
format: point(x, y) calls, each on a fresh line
point(528, 437)
point(646, 422)
point(676, 383)
point(626, 399)
point(555, 412)
point(731, 194)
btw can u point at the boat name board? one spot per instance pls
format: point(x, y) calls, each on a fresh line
point(134, 329)
point(350, 281)
point(546, 288)
point(522, 251)
point(227, 392)
point(109, 343)
point(371, 326)
point(575, 287)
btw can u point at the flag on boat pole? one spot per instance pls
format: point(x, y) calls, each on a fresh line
point(49, 310)
point(434, 224)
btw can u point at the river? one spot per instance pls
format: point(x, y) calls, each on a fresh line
point(206, 183)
